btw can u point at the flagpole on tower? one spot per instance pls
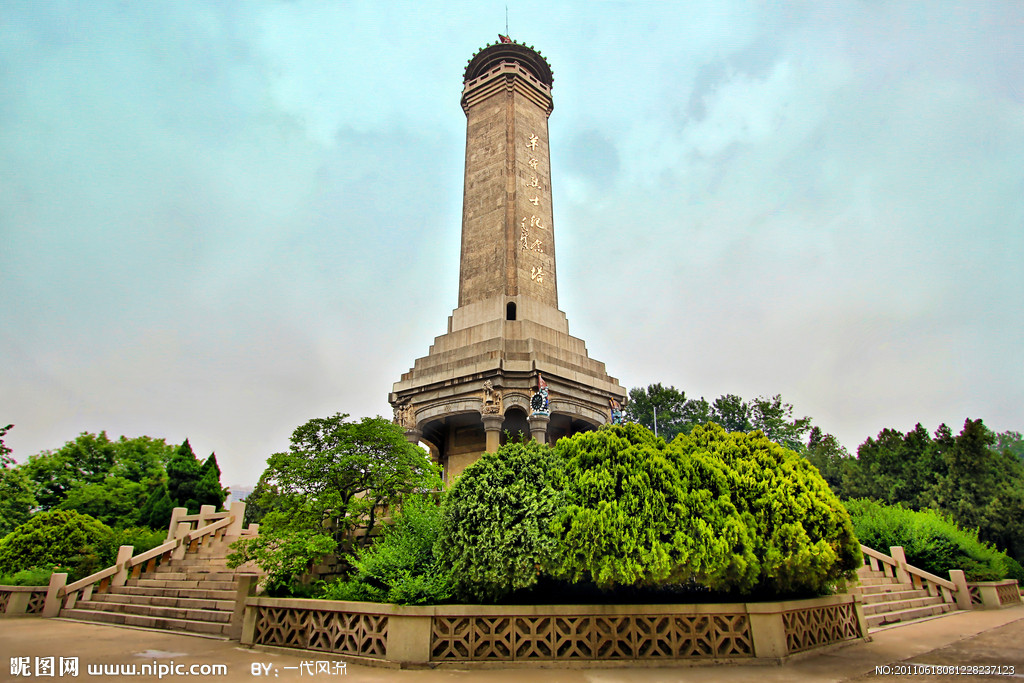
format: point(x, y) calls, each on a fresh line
point(506, 20)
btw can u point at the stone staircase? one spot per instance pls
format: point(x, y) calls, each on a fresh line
point(183, 585)
point(195, 595)
point(887, 601)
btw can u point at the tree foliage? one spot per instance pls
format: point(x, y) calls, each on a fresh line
point(63, 538)
point(497, 521)
point(403, 566)
point(802, 537)
point(16, 497)
point(619, 507)
point(661, 409)
point(931, 540)
point(968, 477)
point(639, 514)
point(183, 475)
point(110, 480)
point(330, 488)
point(678, 415)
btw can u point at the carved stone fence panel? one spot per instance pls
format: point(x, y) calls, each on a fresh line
point(817, 626)
point(461, 635)
point(552, 637)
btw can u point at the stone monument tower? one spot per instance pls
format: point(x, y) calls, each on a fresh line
point(507, 363)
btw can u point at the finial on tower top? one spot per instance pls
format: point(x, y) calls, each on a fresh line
point(504, 39)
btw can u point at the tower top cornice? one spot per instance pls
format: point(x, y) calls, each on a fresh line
point(488, 57)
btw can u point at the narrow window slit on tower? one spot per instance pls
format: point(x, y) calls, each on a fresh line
point(510, 311)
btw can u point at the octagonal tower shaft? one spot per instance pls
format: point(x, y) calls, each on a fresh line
point(508, 245)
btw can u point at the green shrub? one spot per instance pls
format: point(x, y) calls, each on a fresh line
point(401, 567)
point(932, 541)
point(801, 536)
point(496, 531)
point(638, 514)
point(140, 538)
point(58, 537)
point(33, 576)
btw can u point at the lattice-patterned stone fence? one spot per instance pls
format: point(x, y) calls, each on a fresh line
point(525, 635)
point(994, 594)
point(22, 601)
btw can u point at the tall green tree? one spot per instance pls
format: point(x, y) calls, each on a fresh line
point(156, 511)
point(94, 475)
point(208, 490)
point(183, 475)
point(86, 460)
point(1011, 442)
point(331, 487)
point(967, 476)
point(16, 498)
point(732, 413)
point(658, 408)
point(775, 420)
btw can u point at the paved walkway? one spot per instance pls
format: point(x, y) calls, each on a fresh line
point(963, 638)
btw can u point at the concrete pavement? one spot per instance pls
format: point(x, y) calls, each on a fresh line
point(963, 638)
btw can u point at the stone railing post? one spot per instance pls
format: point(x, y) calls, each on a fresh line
point(205, 512)
point(408, 639)
point(902, 575)
point(246, 588)
point(234, 530)
point(172, 528)
point(179, 552)
point(989, 595)
point(17, 604)
point(249, 613)
point(124, 553)
point(768, 632)
point(963, 593)
point(51, 607)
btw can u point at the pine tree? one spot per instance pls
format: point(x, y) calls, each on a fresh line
point(156, 513)
point(183, 475)
point(208, 490)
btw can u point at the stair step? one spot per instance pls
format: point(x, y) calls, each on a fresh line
point(189, 574)
point(202, 594)
point(900, 605)
point(887, 588)
point(906, 615)
point(888, 596)
point(165, 623)
point(187, 583)
point(155, 611)
point(876, 580)
point(164, 601)
point(192, 561)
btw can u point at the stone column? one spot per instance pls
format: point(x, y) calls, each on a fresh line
point(413, 435)
point(492, 430)
point(539, 427)
point(963, 592)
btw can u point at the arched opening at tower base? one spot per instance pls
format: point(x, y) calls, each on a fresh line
point(457, 441)
point(515, 427)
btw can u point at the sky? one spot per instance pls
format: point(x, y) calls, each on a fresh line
point(219, 220)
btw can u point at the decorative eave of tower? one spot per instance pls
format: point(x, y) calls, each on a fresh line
point(505, 61)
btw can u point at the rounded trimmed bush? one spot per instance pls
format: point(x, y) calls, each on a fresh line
point(802, 537)
point(496, 532)
point(63, 538)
